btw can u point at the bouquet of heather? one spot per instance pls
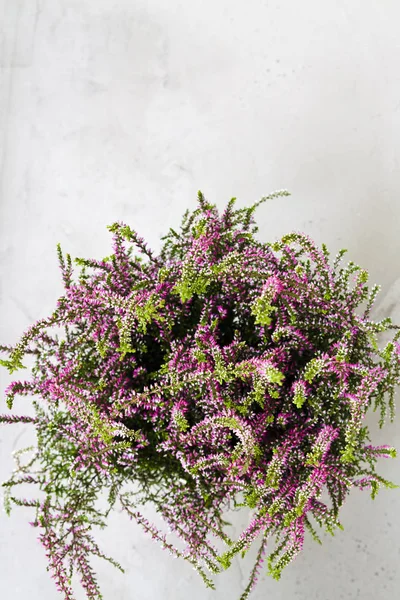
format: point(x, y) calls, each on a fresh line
point(223, 373)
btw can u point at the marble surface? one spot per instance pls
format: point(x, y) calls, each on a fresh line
point(122, 110)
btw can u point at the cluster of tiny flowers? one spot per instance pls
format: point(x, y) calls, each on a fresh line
point(222, 373)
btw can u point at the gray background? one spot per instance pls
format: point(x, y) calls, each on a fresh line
point(122, 110)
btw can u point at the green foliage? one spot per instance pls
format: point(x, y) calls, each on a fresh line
point(263, 310)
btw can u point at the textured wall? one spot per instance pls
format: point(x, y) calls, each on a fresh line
point(123, 109)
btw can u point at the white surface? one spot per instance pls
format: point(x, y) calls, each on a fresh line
point(122, 110)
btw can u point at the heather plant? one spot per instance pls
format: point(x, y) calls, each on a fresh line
point(223, 373)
